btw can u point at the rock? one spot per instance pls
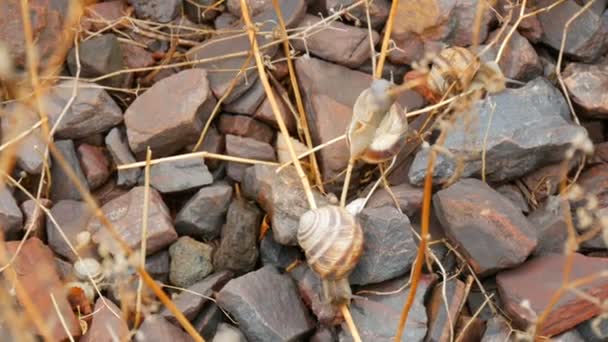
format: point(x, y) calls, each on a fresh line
point(135, 57)
point(544, 182)
point(108, 192)
point(585, 83)
point(116, 142)
point(94, 164)
point(551, 227)
point(249, 101)
point(340, 43)
point(245, 126)
point(323, 334)
point(528, 27)
point(594, 182)
point(594, 330)
point(63, 188)
point(99, 56)
point(213, 142)
point(238, 250)
point(587, 35)
point(377, 315)
point(98, 15)
point(277, 255)
point(600, 154)
point(246, 148)
point(471, 329)
point(255, 7)
point(311, 292)
point(190, 261)
point(293, 11)
point(92, 110)
point(34, 217)
point(489, 230)
point(439, 320)
point(463, 15)
point(519, 60)
point(190, 302)
point(497, 330)
point(203, 215)
point(378, 11)
point(408, 197)
point(265, 113)
point(228, 333)
point(200, 11)
point(11, 217)
point(125, 213)
point(34, 268)
point(526, 139)
point(569, 336)
point(264, 315)
point(595, 130)
point(206, 323)
point(158, 266)
point(180, 175)
point(538, 279)
point(16, 120)
point(156, 10)
point(226, 20)
point(168, 123)
point(72, 218)
point(389, 249)
point(157, 329)
point(281, 196)
point(106, 324)
point(513, 194)
point(282, 149)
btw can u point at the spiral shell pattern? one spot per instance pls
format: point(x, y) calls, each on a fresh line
point(332, 240)
point(453, 65)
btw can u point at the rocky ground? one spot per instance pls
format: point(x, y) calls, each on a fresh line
point(519, 203)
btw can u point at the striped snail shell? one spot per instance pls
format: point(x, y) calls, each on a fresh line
point(388, 138)
point(453, 65)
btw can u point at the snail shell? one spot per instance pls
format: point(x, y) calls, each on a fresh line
point(388, 138)
point(88, 266)
point(454, 65)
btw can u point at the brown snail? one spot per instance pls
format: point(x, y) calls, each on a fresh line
point(332, 240)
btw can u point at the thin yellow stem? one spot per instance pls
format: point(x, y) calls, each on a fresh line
point(387, 36)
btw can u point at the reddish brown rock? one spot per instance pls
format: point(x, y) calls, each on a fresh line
point(544, 181)
point(595, 131)
point(489, 230)
point(63, 187)
point(246, 148)
point(106, 324)
point(409, 198)
point(16, 119)
point(249, 101)
point(519, 60)
point(162, 11)
point(157, 266)
point(528, 27)
point(95, 165)
point(125, 213)
point(378, 11)
point(214, 142)
point(463, 16)
point(171, 114)
point(439, 319)
point(594, 181)
point(513, 194)
point(549, 221)
point(469, 329)
point(99, 15)
point(35, 270)
point(155, 328)
point(72, 218)
point(600, 154)
point(35, 217)
point(11, 218)
point(537, 280)
point(134, 56)
point(245, 126)
point(265, 113)
point(587, 86)
point(107, 192)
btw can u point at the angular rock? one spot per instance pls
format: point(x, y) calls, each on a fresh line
point(200, 11)
point(408, 197)
point(157, 329)
point(203, 215)
point(63, 188)
point(471, 329)
point(95, 165)
point(92, 110)
point(544, 182)
point(569, 336)
point(255, 6)
point(594, 182)
point(538, 279)
point(180, 175)
point(190, 261)
point(227, 332)
point(265, 113)
point(389, 249)
point(238, 250)
point(263, 315)
point(377, 315)
point(246, 148)
point(488, 229)
point(519, 60)
point(249, 101)
point(158, 266)
point(528, 27)
point(105, 324)
point(595, 130)
point(35, 269)
point(497, 330)
point(226, 20)
point(34, 217)
point(108, 192)
point(282, 198)
point(125, 213)
point(311, 292)
point(206, 323)
point(134, 56)
point(340, 43)
point(98, 56)
point(273, 253)
point(513, 194)
point(439, 319)
point(116, 142)
point(262, 11)
point(72, 218)
point(98, 15)
point(600, 154)
point(463, 16)
point(586, 84)
point(17, 119)
point(587, 36)
point(551, 227)
point(378, 11)
point(162, 11)
point(594, 330)
point(517, 141)
point(168, 123)
point(11, 217)
point(214, 142)
point(245, 126)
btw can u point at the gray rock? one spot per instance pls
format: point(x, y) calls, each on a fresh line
point(116, 142)
point(409, 198)
point(206, 323)
point(190, 261)
point(72, 217)
point(245, 126)
point(389, 249)
point(497, 330)
point(105, 324)
point(34, 217)
point(594, 330)
point(249, 101)
point(267, 306)
point(378, 11)
point(203, 215)
point(513, 194)
point(201, 11)
point(180, 175)
point(158, 266)
point(586, 85)
point(98, 56)
point(569, 336)
point(157, 329)
point(63, 188)
point(157, 10)
point(519, 60)
point(228, 333)
point(17, 119)
point(273, 253)
point(549, 221)
point(518, 141)
point(11, 217)
point(311, 292)
point(246, 148)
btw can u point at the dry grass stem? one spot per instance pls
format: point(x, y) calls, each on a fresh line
point(144, 234)
point(313, 150)
point(61, 318)
point(350, 323)
point(387, 37)
point(194, 155)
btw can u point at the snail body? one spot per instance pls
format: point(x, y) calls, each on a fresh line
point(332, 240)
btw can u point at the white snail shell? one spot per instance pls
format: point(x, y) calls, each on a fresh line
point(88, 266)
point(388, 138)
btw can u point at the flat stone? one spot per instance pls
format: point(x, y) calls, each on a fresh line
point(282, 197)
point(246, 148)
point(190, 302)
point(125, 213)
point(519, 60)
point(203, 214)
point(98, 15)
point(206, 323)
point(340, 43)
point(389, 249)
point(227, 332)
point(587, 36)
point(157, 329)
point(263, 315)
point(95, 164)
point(11, 217)
point(265, 113)
point(34, 217)
point(488, 229)
point(162, 11)
point(190, 261)
point(35, 269)
point(238, 250)
point(497, 330)
point(517, 141)
point(168, 123)
point(17, 119)
point(549, 221)
point(63, 188)
point(100, 55)
point(214, 142)
point(280, 256)
point(105, 324)
point(72, 217)
point(378, 11)
point(116, 142)
point(585, 84)
point(249, 101)
point(311, 291)
point(408, 197)
point(92, 110)
point(180, 175)
point(201, 11)
point(538, 279)
point(377, 314)
point(439, 319)
point(158, 266)
point(245, 126)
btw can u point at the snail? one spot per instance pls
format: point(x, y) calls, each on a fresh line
point(83, 268)
point(332, 240)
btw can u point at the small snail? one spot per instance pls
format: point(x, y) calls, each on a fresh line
point(332, 240)
point(88, 266)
